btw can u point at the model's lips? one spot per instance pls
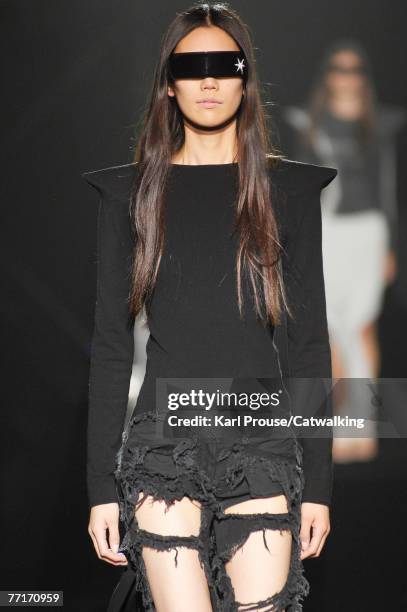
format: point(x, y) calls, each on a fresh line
point(209, 103)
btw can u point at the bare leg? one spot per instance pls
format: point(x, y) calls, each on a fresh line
point(366, 449)
point(371, 346)
point(346, 450)
point(338, 368)
point(342, 448)
point(181, 587)
point(255, 572)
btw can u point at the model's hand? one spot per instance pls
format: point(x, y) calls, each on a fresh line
point(390, 271)
point(315, 527)
point(102, 518)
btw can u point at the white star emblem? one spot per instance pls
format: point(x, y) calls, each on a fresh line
point(240, 65)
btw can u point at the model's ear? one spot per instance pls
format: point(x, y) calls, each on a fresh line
point(170, 91)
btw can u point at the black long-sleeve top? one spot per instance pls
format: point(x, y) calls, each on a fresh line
point(193, 318)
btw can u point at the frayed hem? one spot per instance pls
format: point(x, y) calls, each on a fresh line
point(136, 539)
point(296, 588)
point(179, 476)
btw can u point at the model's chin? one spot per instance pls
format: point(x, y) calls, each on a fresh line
point(208, 120)
point(209, 116)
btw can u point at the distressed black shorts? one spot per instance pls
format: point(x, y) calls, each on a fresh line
point(218, 474)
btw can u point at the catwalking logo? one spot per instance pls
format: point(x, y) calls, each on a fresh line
point(334, 421)
point(207, 401)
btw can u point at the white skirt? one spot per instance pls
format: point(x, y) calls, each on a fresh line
point(354, 250)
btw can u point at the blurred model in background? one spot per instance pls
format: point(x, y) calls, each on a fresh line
point(345, 127)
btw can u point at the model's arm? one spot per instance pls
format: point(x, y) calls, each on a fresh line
point(309, 348)
point(112, 345)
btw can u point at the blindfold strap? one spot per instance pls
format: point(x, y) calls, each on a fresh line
point(202, 64)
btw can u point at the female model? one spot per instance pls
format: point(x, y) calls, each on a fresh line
point(193, 230)
point(345, 127)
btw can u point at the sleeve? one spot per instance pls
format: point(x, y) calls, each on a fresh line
point(308, 340)
point(112, 346)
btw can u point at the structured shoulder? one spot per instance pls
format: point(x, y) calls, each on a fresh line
point(294, 177)
point(296, 188)
point(114, 182)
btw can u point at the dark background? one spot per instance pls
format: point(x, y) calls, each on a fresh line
point(75, 77)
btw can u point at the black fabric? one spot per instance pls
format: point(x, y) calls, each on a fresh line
point(125, 597)
point(193, 318)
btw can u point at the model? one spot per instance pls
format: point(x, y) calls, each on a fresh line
point(195, 231)
point(346, 127)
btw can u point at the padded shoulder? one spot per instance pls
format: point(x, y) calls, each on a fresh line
point(294, 177)
point(296, 189)
point(114, 182)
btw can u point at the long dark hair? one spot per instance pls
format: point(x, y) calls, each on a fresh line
point(318, 98)
point(162, 135)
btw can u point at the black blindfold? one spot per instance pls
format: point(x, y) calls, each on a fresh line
point(202, 64)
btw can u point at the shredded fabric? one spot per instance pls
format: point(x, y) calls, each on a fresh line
point(170, 469)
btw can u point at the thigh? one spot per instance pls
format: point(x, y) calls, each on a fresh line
point(166, 512)
point(255, 544)
point(172, 550)
point(182, 516)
